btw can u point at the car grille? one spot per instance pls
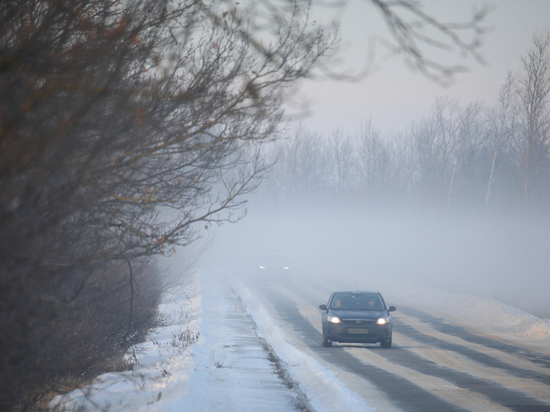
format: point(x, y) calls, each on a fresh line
point(358, 322)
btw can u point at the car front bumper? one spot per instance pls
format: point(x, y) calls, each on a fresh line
point(361, 334)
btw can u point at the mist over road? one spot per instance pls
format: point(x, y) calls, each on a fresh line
point(503, 257)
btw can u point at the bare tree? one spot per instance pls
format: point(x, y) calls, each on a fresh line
point(373, 160)
point(443, 141)
point(467, 151)
point(502, 123)
point(305, 166)
point(533, 88)
point(427, 158)
point(448, 122)
point(342, 159)
point(427, 44)
point(123, 124)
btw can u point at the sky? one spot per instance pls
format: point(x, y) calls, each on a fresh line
point(394, 96)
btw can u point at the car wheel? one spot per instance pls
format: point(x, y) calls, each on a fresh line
point(326, 343)
point(386, 344)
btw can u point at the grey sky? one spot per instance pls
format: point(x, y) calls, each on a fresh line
point(394, 96)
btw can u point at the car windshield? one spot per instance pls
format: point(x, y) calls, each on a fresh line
point(356, 301)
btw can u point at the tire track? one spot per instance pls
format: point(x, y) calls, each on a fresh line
point(401, 392)
point(499, 394)
point(464, 334)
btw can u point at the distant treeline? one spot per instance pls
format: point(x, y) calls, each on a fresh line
point(489, 157)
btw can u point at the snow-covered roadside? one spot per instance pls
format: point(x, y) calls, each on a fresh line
point(211, 356)
point(161, 365)
point(226, 368)
point(486, 315)
point(322, 388)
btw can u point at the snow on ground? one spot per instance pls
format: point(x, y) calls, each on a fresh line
point(486, 315)
point(241, 361)
point(227, 353)
point(161, 365)
point(323, 390)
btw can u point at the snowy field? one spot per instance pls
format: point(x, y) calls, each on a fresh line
point(221, 350)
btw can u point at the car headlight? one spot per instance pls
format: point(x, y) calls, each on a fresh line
point(383, 321)
point(334, 319)
point(286, 268)
point(261, 267)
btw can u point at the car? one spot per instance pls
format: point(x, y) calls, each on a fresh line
point(357, 317)
point(273, 267)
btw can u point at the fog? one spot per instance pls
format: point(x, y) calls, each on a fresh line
point(504, 257)
point(498, 248)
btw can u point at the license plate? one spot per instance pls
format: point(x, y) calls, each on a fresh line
point(359, 331)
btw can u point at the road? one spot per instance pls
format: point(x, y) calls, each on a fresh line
point(435, 364)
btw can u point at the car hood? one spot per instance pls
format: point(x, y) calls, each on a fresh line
point(358, 314)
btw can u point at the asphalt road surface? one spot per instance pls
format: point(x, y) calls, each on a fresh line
point(434, 364)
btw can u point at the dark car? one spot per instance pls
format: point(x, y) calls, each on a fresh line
point(357, 317)
point(273, 267)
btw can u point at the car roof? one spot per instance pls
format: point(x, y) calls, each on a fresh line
point(369, 292)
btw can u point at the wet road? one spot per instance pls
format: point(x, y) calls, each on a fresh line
point(434, 365)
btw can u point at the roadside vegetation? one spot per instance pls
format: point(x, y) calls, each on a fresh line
point(127, 129)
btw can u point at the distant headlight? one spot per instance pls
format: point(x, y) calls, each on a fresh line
point(261, 267)
point(383, 321)
point(334, 319)
point(286, 268)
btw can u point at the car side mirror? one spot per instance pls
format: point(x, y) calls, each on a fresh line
point(323, 307)
point(392, 309)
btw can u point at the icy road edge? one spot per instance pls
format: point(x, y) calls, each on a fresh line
point(322, 388)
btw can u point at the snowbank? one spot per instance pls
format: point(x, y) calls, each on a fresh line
point(175, 370)
point(323, 390)
point(487, 315)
